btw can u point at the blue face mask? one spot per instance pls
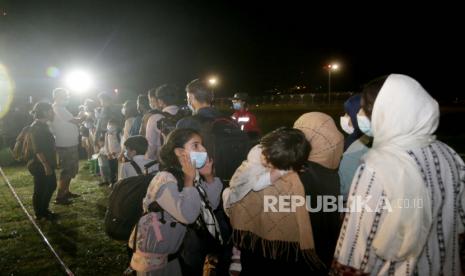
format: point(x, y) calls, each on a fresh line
point(200, 158)
point(364, 125)
point(237, 106)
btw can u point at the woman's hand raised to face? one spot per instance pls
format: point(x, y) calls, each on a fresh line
point(188, 169)
point(207, 171)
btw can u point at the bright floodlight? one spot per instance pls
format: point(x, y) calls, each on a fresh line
point(333, 67)
point(79, 81)
point(212, 81)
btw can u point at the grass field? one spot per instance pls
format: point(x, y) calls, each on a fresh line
point(77, 236)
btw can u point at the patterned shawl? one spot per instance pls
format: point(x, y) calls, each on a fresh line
point(278, 234)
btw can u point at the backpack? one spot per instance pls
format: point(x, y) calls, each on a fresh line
point(226, 144)
point(125, 204)
point(168, 123)
point(203, 237)
point(22, 150)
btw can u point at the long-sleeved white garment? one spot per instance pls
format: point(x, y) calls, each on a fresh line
point(251, 175)
point(443, 173)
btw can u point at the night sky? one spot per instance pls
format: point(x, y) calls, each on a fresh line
point(134, 46)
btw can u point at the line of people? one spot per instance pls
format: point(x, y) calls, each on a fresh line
point(390, 155)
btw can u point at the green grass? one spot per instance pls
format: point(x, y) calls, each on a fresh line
point(77, 236)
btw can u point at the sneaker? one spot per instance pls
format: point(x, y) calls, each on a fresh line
point(62, 201)
point(72, 195)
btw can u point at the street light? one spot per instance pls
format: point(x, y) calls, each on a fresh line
point(213, 81)
point(331, 68)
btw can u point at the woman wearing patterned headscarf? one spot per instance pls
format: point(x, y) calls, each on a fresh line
point(320, 178)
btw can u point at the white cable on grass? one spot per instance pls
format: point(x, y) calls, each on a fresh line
point(65, 267)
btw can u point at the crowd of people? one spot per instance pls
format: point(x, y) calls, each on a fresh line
point(198, 217)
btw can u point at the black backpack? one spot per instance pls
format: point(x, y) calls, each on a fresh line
point(168, 123)
point(226, 144)
point(125, 203)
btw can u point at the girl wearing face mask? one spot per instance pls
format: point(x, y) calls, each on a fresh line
point(175, 197)
point(356, 144)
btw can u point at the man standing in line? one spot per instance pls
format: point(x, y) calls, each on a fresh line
point(66, 131)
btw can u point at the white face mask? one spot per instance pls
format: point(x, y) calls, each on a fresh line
point(365, 125)
point(111, 129)
point(345, 125)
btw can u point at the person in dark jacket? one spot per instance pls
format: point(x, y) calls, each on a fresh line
point(320, 179)
point(199, 100)
point(42, 164)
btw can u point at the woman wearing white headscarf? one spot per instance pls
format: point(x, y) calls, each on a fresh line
point(410, 186)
